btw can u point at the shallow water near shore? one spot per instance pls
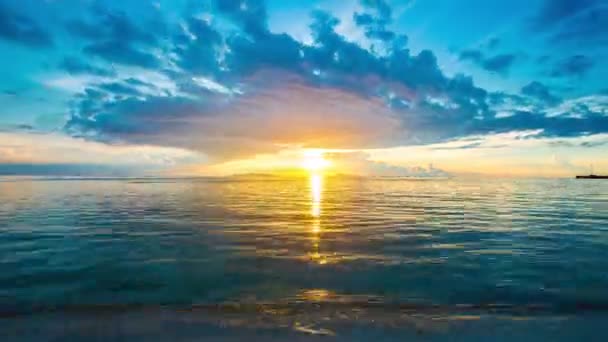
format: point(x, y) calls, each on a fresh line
point(317, 256)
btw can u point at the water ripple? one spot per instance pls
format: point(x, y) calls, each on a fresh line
point(438, 243)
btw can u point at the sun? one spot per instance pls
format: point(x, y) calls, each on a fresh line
point(313, 161)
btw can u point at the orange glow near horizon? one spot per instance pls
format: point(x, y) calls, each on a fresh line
point(314, 161)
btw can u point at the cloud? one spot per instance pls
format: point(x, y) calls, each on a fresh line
point(374, 20)
point(515, 153)
point(250, 15)
point(230, 87)
point(123, 53)
point(577, 65)
point(542, 60)
point(588, 27)
point(270, 51)
point(381, 7)
point(121, 89)
point(222, 79)
point(493, 43)
point(315, 117)
point(573, 21)
point(10, 93)
point(365, 166)
point(23, 30)
point(76, 66)
point(115, 37)
point(499, 63)
point(110, 25)
point(20, 149)
point(583, 107)
point(472, 55)
point(553, 12)
point(553, 126)
point(592, 144)
point(541, 92)
point(16, 128)
point(462, 147)
point(198, 47)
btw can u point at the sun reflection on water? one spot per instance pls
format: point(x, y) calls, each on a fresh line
point(316, 190)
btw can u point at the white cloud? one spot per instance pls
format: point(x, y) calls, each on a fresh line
point(518, 153)
point(37, 148)
point(73, 83)
point(212, 85)
point(359, 163)
point(577, 108)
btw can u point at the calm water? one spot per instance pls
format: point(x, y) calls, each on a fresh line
point(450, 244)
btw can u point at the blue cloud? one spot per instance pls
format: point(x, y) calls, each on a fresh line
point(499, 63)
point(375, 20)
point(251, 15)
point(493, 43)
point(435, 107)
point(131, 118)
point(114, 37)
point(197, 57)
point(23, 30)
point(76, 66)
point(592, 123)
point(110, 25)
point(541, 92)
point(118, 88)
point(577, 65)
point(472, 55)
point(9, 92)
point(269, 51)
point(123, 53)
point(589, 26)
point(555, 11)
point(573, 21)
point(381, 7)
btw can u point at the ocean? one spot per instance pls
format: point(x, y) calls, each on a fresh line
point(325, 256)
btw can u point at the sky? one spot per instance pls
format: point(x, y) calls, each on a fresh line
point(375, 87)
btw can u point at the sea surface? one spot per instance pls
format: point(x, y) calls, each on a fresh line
point(316, 256)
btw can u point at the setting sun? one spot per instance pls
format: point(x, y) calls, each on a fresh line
point(313, 161)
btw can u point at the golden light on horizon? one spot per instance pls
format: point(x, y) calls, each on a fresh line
point(314, 161)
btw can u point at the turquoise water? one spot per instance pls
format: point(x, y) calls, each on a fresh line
point(449, 247)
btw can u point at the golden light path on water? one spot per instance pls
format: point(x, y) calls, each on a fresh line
point(316, 191)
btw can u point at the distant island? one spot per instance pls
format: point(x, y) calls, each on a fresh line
point(592, 177)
